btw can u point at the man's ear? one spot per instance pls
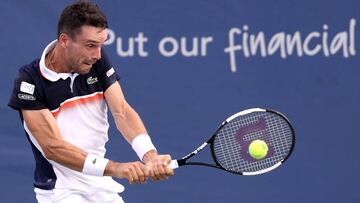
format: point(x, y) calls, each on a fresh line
point(64, 40)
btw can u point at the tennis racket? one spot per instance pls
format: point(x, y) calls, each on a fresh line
point(230, 143)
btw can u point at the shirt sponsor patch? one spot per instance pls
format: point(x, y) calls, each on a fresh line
point(27, 87)
point(110, 72)
point(26, 97)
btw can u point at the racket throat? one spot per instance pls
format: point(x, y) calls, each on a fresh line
point(194, 152)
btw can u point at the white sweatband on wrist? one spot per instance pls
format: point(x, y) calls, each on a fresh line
point(142, 144)
point(94, 165)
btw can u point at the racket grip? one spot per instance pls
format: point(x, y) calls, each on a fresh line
point(174, 164)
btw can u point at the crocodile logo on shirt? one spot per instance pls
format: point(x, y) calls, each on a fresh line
point(91, 80)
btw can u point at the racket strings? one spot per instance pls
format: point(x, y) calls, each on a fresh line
point(231, 142)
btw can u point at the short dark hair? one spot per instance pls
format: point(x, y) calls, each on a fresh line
point(78, 14)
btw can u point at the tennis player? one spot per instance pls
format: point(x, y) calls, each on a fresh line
point(63, 98)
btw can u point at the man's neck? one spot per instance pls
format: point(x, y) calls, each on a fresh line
point(54, 62)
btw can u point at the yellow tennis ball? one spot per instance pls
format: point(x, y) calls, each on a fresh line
point(258, 149)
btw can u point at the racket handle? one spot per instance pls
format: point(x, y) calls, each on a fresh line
point(174, 164)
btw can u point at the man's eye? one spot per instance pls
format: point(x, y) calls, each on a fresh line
point(90, 45)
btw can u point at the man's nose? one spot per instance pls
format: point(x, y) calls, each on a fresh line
point(97, 54)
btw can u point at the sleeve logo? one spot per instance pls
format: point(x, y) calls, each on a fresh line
point(27, 87)
point(110, 72)
point(26, 97)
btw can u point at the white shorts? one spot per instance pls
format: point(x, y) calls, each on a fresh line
point(78, 196)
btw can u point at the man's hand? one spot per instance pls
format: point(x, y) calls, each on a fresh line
point(134, 172)
point(158, 165)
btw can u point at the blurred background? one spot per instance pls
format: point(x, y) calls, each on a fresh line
point(186, 65)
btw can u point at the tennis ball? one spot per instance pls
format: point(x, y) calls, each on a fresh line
point(258, 149)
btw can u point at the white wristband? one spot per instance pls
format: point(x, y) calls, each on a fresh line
point(94, 165)
point(142, 144)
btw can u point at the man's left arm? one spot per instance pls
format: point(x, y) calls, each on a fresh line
point(129, 123)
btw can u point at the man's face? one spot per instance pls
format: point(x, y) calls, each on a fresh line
point(84, 49)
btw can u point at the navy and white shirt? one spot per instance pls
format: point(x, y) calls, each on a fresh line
point(77, 102)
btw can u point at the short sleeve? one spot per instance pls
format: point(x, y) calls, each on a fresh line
point(26, 93)
point(107, 72)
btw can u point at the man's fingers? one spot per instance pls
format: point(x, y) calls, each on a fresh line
point(142, 172)
point(134, 172)
point(169, 171)
point(160, 167)
point(166, 166)
point(160, 170)
point(135, 177)
point(126, 173)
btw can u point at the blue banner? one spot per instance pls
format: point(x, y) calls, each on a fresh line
point(185, 66)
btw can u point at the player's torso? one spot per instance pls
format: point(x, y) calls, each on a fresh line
point(78, 104)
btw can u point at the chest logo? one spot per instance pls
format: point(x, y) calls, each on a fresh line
point(91, 80)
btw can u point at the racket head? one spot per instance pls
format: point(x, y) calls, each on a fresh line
point(230, 143)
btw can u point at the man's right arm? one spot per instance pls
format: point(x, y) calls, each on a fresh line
point(44, 128)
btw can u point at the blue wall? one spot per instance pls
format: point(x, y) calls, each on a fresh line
point(182, 99)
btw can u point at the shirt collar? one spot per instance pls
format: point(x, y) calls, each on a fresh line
point(45, 71)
